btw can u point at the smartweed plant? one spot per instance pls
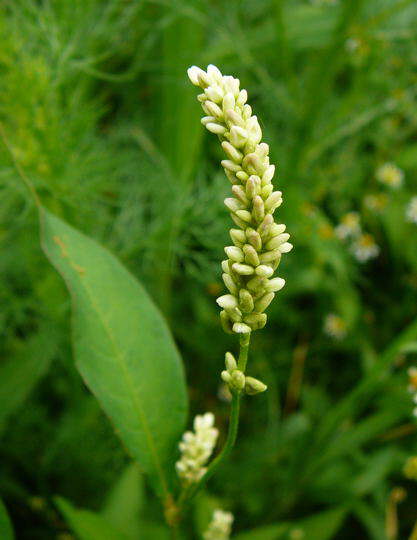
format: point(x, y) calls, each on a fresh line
point(124, 350)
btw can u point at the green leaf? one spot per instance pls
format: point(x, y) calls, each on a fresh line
point(125, 501)
point(87, 525)
point(321, 526)
point(122, 345)
point(6, 529)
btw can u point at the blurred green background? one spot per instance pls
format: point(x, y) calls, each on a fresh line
point(97, 110)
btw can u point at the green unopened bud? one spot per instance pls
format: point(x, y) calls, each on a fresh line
point(256, 320)
point(217, 129)
point(238, 136)
point(270, 256)
point(240, 194)
point(265, 226)
point(243, 269)
point(226, 322)
point(230, 284)
point(253, 386)
point(232, 152)
point(264, 301)
point(257, 283)
point(230, 165)
point(234, 253)
point(225, 375)
point(264, 270)
point(245, 301)
point(244, 215)
point(238, 380)
point(238, 237)
point(254, 238)
point(230, 361)
point(242, 176)
point(251, 257)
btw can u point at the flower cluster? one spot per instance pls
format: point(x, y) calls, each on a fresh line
point(390, 175)
point(411, 210)
point(258, 242)
point(220, 526)
point(196, 448)
point(412, 385)
point(363, 245)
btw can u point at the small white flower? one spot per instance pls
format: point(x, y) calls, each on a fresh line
point(349, 226)
point(411, 210)
point(334, 326)
point(390, 175)
point(220, 526)
point(196, 448)
point(364, 248)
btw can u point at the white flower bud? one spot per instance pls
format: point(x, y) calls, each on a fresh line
point(207, 120)
point(193, 73)
point(234, 118)
point(227, 302)
point(232, 152)
point(214, 93)
point(266, 191)
point(238, 136)
point(264, 271)
point(277, 241)
point(214, 73)
point(246, 303)
point(254, 238)
point(244, 215)
point(213, 109)
point(241, 328)
point(238, 236)
point(243, 269)
point(232, 85)
point(233, 204)
point(239, 192)
point(252, 186)
point(228, 102)
point(275, 285)
point(285, 248)
point(268, 175)
point(237, 376)
point(254, 130)
point(217, 129)
point(270, 256)
point(251, 257)
point(242, 98)
point(230, 284)
point(274, 199)
point(234, 253)
point(258, 211)
point(230, 165)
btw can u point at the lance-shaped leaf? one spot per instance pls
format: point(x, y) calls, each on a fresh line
point(122, 345)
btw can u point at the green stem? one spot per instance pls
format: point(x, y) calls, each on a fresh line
point(189, 493)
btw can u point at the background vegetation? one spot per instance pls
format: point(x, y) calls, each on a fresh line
point(96, 108)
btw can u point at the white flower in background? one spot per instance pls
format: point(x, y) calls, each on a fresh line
point(258, 242)
point(334, 326)
point(196, 448)
point(376, 202)
point(220, 526)
point(349, 226)
point(411, 210)
point(390, 175)
point(364, 248)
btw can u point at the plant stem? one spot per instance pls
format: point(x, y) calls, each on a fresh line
point(189, 494)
